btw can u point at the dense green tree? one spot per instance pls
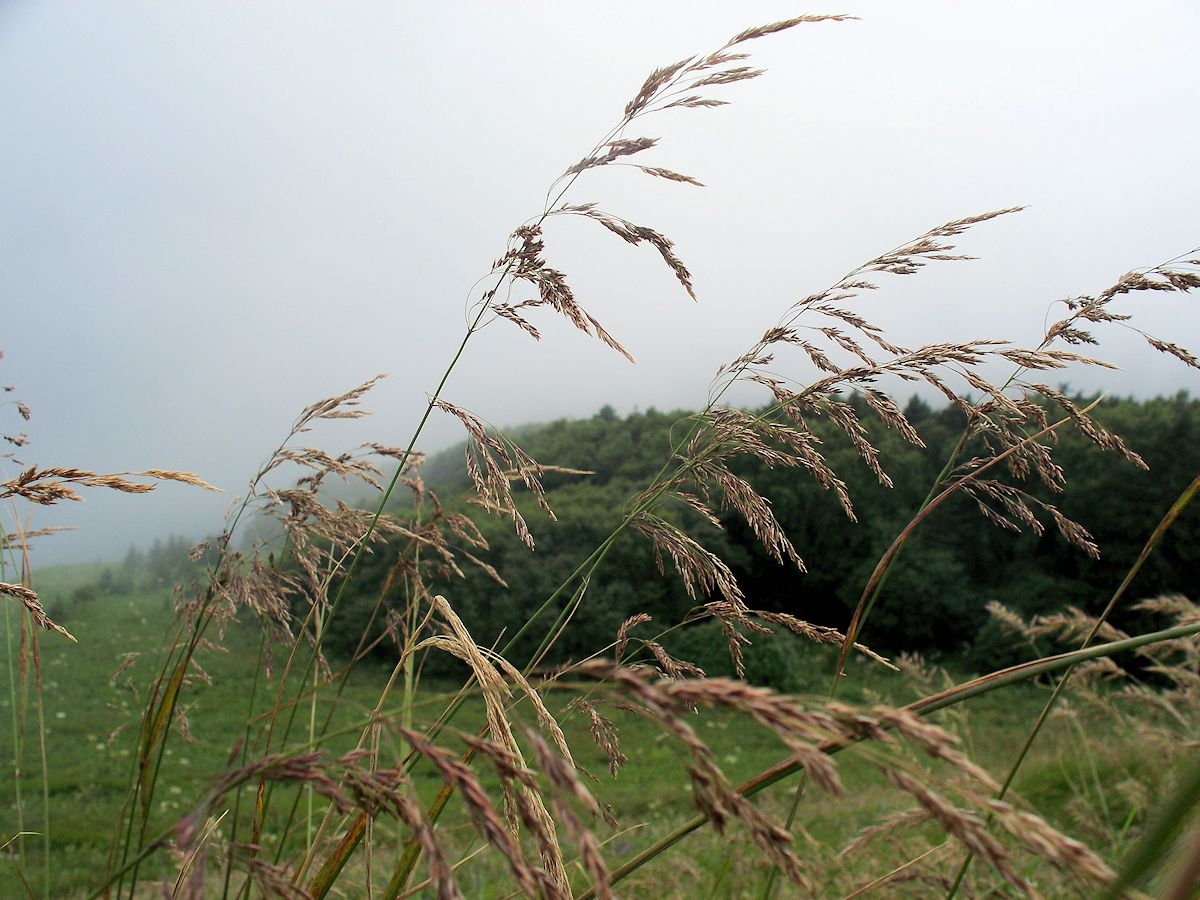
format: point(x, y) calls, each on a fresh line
point(935, 596)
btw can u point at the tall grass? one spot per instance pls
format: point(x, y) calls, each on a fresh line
point(290, 816)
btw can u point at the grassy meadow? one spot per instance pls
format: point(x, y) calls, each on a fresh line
point(90, 766)
point(660, 656)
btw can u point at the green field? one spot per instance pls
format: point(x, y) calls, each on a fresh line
point(90, 767)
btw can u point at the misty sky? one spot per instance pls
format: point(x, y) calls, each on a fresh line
point(214, 213)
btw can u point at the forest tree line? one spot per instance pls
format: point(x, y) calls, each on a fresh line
point(934, 600)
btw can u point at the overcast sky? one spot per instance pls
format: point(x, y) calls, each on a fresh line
point(213, 213)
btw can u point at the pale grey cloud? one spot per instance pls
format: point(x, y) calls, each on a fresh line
point(215, 213)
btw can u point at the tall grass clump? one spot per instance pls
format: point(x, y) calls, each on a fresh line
point(485, 789)
point(25, 619)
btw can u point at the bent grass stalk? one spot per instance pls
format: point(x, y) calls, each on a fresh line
point(434, 399)
point(1157, 841)
point(924, 707)
point(1082, 310)
point(1164, 525)
point(161, 706)
point(14, 709)
point(885, 562)
point(583, 571)
point(883, 568)
point(160, 711)
point(29, 648)
point(654, 496)
point(659, 486)
point(318, 888)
